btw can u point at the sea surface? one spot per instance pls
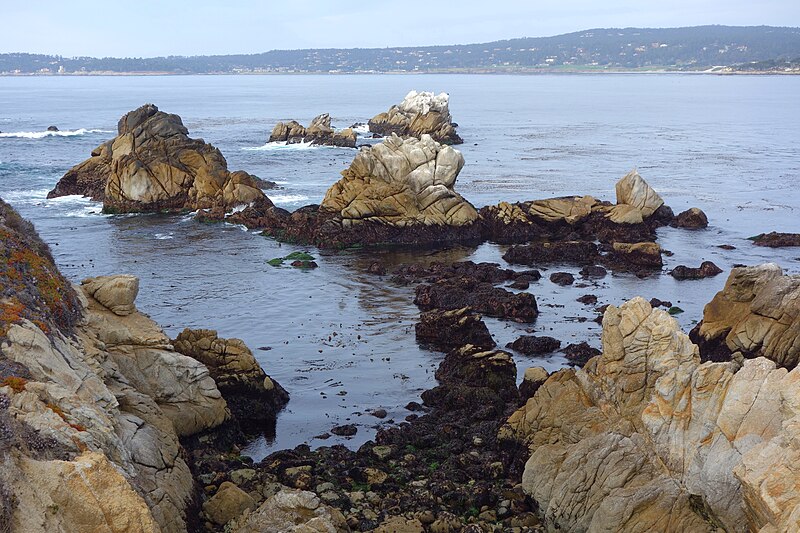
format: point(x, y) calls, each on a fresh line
point(340, 340)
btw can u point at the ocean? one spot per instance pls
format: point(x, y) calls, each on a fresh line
point(340, 340)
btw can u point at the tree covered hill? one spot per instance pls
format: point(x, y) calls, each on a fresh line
point(691, 48)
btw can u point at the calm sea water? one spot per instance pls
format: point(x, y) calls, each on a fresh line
point(340, 340)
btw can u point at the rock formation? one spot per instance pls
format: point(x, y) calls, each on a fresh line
point(93, 401)
point(252, 396)
point(446, 330)
point(293, 511)
point(646, 438)
point(756, 314)
point(638, 212)
point(418, 114)
point(775, 239)
point(692, 218)
point(153, 165)
point(319, 132)
point(706, 269)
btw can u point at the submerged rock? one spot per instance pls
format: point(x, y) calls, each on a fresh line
point(420, 113)
point(777, 240)
point(535, 345)
point(756, 314)
point(319, 132)
point(646, 437)
point(153, 165)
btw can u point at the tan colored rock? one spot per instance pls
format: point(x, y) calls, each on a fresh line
point(117, 293)
point(402, 183)
point(638, 254)
point(228, 503)
point(757, 313)
point(319, 132)
point(644, 436)
point(570, 209)
point(293, 511)
point(86, 494)
point(153, 165)
point(420, 113)
point(633, 191)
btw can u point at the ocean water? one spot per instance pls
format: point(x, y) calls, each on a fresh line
point(341, 341)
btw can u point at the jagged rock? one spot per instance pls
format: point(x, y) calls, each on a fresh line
point(647, 438)
point(707, 269)
point(777, 240)
point(636, 200)
point(228, 502)
point(446, 330)
point(580, 353)
point(153, 165)
point(692, 218)
point(252, 396)
point(757, 313)
point(293, 511)
point(533, 345)
point(418, 114)
point(319, 132)
point(483, 297)
point(402, 183)
point(117, 293)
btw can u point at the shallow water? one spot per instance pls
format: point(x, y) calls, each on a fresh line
point(340, 340)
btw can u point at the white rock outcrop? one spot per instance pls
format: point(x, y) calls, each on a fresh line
point(419, 113)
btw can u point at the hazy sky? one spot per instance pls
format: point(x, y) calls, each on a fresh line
point(194, 27)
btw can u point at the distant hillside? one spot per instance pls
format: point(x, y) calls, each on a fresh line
point(694, 48)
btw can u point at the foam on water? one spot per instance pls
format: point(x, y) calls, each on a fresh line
point(363, 129)
point(288, 198)
point(43, 134)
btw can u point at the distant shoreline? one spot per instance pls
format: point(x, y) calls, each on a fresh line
point(532, 72)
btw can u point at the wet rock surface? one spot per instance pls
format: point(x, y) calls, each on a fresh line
point(692, 218)
point(777, 240)
point(535, 345)
point(483, 297)
point(707, 269)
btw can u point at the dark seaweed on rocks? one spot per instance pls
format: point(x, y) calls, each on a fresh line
point(482, 297)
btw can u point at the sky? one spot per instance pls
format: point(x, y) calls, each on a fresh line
point(146, 28)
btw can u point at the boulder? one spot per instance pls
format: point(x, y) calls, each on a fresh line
point(628, 255)
point(692, 218)
point(228, 502)
point(533, 345)
point(116, 293)
point(445, 330)
point(757, 313)
point(420, 113)
point(633, 193)
point(253, 397)
point(581, 252)
point(293, 511)
point(401, 183)
point(646, 438)
point(533, 379)
point(707, 269)
point(153, 165)
point(319, 132)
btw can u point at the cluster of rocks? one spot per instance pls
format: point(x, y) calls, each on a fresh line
point(420, 113)
point(153, 165)
point(318, 132)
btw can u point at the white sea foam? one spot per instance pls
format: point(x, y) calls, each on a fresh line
point(269, 147)
point(164, 236)
point(43, 134)
point(287, 198)
point(363, 129)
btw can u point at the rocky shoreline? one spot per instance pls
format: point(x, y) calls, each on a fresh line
point(106, 424)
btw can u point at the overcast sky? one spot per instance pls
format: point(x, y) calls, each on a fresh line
point(198, 27)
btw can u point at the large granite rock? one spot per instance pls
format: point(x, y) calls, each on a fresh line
point(153, 165)
point(319, 132)
point(293, 511)
point(646, 438)
point(756, 314)
point(252, 396)
point(402, 183)
point(419, 113)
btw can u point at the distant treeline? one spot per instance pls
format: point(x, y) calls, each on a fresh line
point(692, 48)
